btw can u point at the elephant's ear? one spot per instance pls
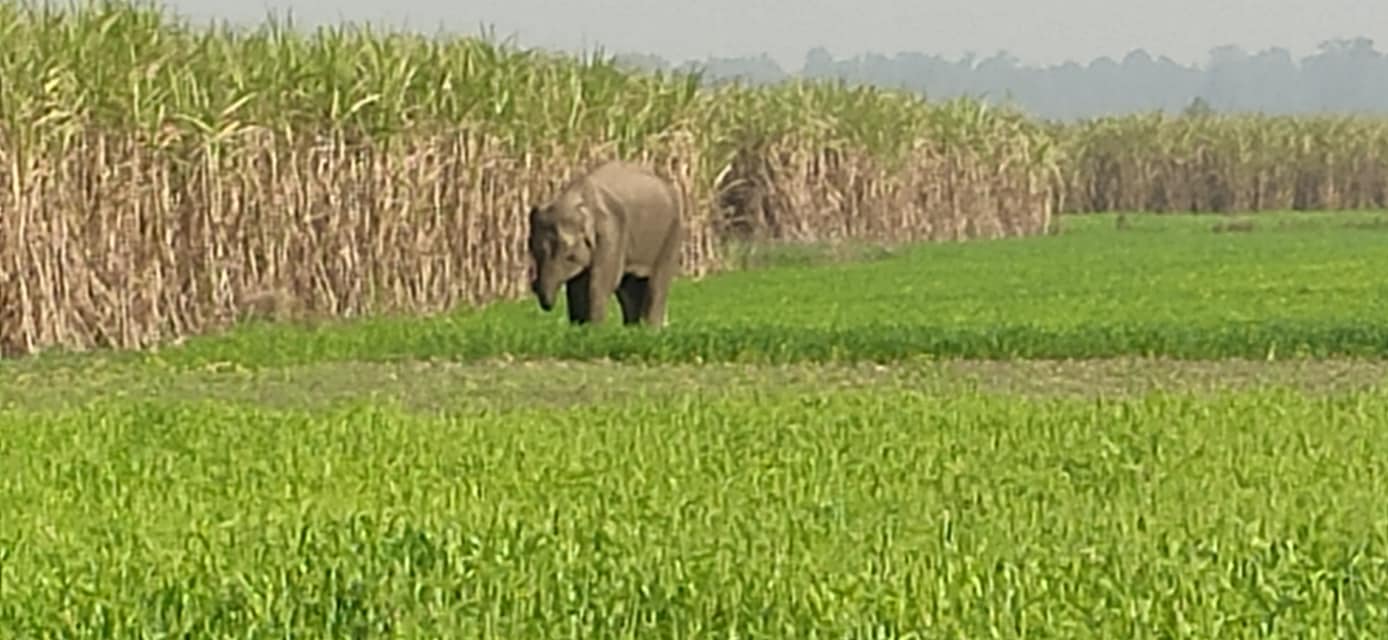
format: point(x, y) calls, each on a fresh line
point(587, 222)
point(534, 214)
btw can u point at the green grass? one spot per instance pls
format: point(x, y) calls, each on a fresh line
point(847, 514)
point(1298, 285)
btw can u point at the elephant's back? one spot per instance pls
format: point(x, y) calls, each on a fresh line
point(636, 188)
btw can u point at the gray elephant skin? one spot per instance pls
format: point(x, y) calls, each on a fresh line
point(616, 229)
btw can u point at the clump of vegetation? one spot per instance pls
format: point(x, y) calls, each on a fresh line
point(1228, 162)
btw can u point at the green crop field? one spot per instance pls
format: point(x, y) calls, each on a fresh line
point(841, 514)
point(1119, 431)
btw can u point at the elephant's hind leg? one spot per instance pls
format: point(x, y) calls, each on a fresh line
point(631, 293)
point(662, 276)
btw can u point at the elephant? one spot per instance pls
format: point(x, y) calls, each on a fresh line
point(617, 228)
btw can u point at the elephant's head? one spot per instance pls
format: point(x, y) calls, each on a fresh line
point(561, 246)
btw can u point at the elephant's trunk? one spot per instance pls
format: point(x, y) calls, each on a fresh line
point(545, 294)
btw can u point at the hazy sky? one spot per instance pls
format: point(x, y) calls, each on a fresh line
point(1036, 31)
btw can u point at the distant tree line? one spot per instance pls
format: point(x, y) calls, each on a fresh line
point(1344, 75)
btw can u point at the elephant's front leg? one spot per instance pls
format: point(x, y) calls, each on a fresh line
point(579, 301)
point(605, 276)
point(600, 291)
